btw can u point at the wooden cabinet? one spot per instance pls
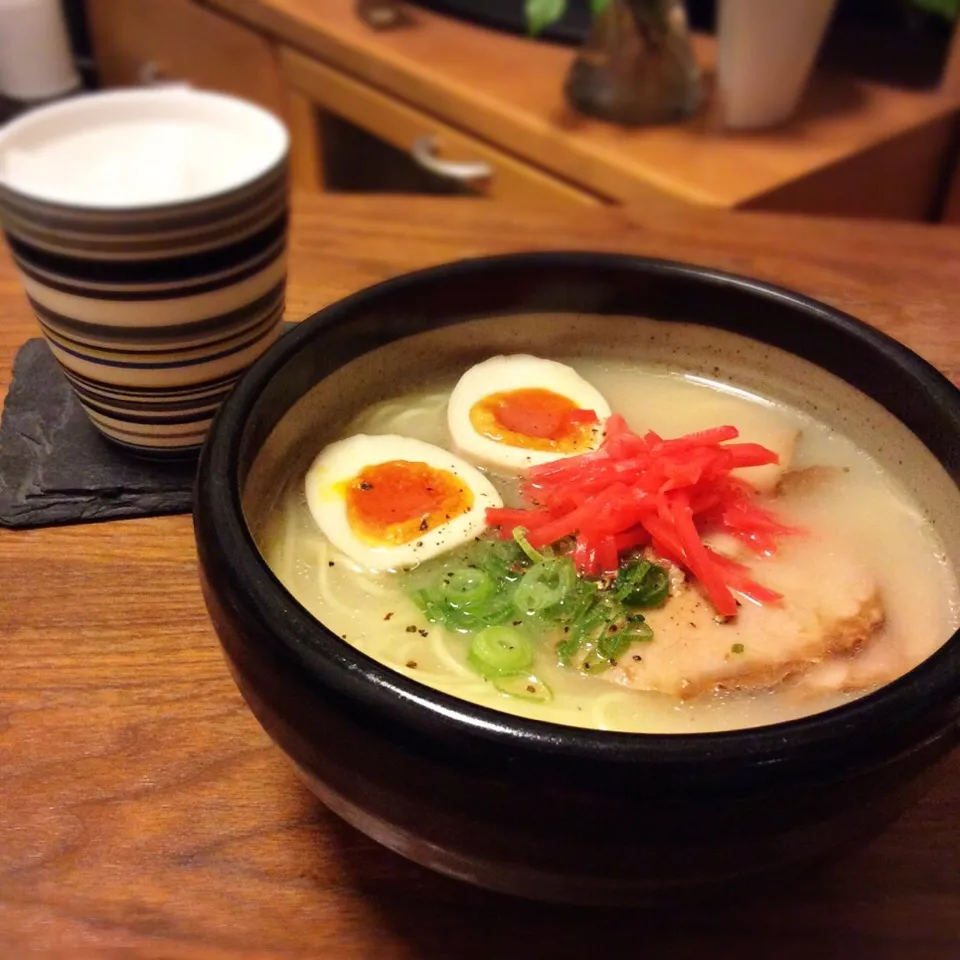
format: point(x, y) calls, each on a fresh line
point(149, 41)
point(487, 109)
point(313, 88)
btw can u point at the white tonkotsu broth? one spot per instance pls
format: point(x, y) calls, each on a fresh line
point(864, 508)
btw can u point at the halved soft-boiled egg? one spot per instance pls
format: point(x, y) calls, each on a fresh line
point(512, 413)
point(390, 502)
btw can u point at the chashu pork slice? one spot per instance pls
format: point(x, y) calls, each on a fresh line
point(831, 606)
point(872, 666)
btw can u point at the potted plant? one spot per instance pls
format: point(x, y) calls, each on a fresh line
point(637, 65)
point(950, 9)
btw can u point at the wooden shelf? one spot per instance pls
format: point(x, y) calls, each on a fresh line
point(507, 90)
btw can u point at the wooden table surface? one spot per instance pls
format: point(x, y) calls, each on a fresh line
point(144, 814)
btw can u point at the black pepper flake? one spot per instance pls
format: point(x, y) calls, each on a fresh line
point(343, 636)
point(388, 616)
point(517, 623)
point(637, 657)
point(419, 543)
point(424, 525)
point(364, 485)
point(412, 664)
point(411, 629)
point(423, 633)
point(566, 629)
point(531, 688)
point(612, 628)
point(330, 563)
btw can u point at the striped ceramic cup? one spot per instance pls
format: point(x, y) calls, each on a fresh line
point(149, 228)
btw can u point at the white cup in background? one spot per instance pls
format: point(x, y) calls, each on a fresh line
point(766, 50)
point(35, 58)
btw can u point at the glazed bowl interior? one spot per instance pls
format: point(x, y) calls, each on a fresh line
point(403, 335)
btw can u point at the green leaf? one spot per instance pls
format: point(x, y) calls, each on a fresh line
point(949, 9)
point(542, 13)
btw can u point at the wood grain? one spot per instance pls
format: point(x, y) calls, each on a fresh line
point(143, 812)
point(396, 123)
point(508, 91)
point(902, 177)
point(306, 146)
point(951, 205)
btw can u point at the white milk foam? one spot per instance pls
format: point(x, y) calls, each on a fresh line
point(134, 163)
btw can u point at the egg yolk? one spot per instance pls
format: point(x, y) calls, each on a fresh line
point(400, 500)
point(534, 419)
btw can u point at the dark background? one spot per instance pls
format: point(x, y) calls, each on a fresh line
point(887, 40)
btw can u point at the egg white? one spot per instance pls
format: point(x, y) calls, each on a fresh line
point(340, 462)
point(515, 372)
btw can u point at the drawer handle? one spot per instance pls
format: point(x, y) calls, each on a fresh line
point(463, 171)
point(150, 74)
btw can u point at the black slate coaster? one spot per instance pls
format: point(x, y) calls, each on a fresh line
point(55, 468)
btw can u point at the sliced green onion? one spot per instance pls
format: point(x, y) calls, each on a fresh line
point(575, 603)
point(637, 629)
point(500, 652)
point(502, 559)
point(493, 582)
point(569, 646)
point(534, 555)
point(544, 585)
point(464, 619)
point(595, 662)
point(632, 574)
point(585, 629)
point(467, 586)
point(524, 688)
point(613, 642)
point(642, 584)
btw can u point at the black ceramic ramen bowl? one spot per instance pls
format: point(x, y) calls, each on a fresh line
point(539, 809)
